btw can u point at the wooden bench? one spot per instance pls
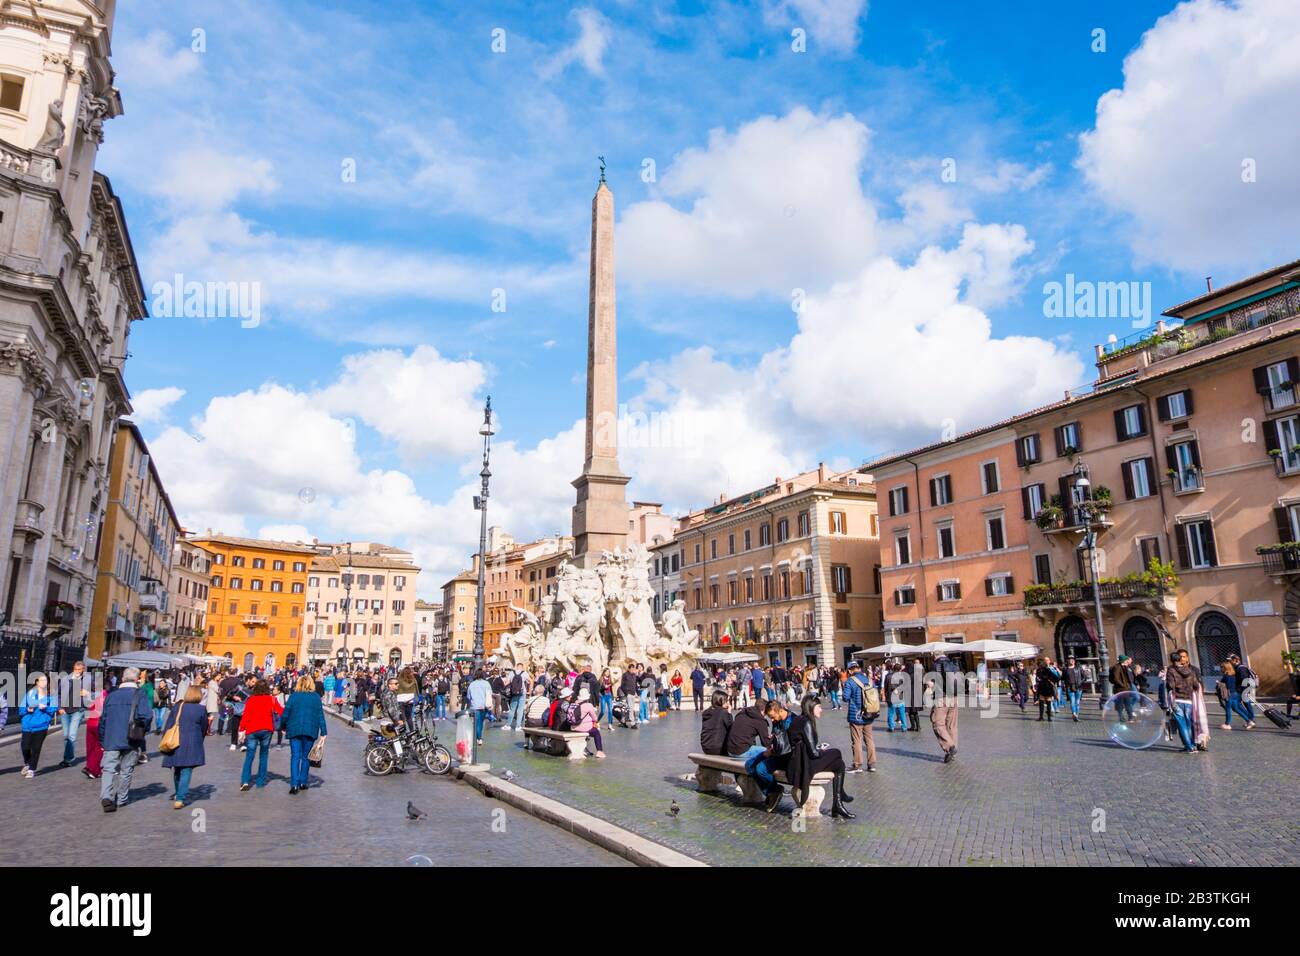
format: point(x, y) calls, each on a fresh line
point(558, 743)
point(709, 770)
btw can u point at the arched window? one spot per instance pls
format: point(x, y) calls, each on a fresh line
point(395, 657)
point(248, 661)
point(268, 662)
point(291, 661)
point(1216, 639)
point(1142, 643)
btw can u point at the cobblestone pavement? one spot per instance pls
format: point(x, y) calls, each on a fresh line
point(344, 818)
point(1019, 793)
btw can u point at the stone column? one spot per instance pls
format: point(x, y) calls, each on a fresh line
point(823, 609)
point(16, 401)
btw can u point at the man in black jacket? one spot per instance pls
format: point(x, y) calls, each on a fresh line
point(715, 726)
point(627, 687)
point(749, 730)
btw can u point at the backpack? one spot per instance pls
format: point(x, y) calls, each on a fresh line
point(870, 697)
point(572, 714)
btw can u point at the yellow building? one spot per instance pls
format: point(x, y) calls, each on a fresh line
point(256, 599)
point(136, 545)
point(459, 605)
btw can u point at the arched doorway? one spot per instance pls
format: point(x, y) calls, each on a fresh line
point(268, 662)
point(1216, 639)
point(291, 661)
point(1073, 640)
point(1142, 643)
point(248, 661)
point(342, 657)
point(358, 657)
point(395, 657)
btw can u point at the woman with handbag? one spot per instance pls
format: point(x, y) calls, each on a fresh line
point(182, 742)
point(303, 721)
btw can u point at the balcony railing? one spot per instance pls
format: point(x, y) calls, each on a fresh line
point(1285, 561)
point(28, 519)
point(60, 614)
point(1083, 594)
point(255, 620)
point(1188, 479)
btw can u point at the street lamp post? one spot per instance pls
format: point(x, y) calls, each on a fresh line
point(480, 505)
point(1090, 542)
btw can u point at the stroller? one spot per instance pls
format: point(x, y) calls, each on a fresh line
point(619, 712)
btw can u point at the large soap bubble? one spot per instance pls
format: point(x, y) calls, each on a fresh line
point(1133, 720)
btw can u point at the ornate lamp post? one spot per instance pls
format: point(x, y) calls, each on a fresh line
point(1089, 543)
point(480, 505)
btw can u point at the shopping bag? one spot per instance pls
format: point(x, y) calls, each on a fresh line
point(317, 754)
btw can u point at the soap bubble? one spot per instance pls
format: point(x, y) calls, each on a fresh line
point(418, 860)
point(1133, 720)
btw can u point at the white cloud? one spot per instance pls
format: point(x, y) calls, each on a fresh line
point(1209, 87)
point(151, 404)
point(775, 206)
point(588, 48)
point(207, 179)
point(832, 24)
point(154, 62)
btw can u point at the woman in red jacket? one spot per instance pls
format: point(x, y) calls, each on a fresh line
point(257, 724)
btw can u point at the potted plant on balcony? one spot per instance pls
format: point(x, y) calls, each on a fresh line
point(1102, 498)
point(1288, 550)
point(1049, 516)
point(1159, 577)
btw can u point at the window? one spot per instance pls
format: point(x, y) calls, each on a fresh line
point(219, 559)
point(236, 583)
point(11, 93)
point(713, 595)
point(299, 566)
point(1277, 383)
point(297, 587)
point(731, 544)
point(805, 524)
point(234, 607)
point(255, 584)
point(998, 585)
point(989, 474)
point(764, 535)
point(1184, 461)
point(949, 591)
point(898, 501)
point(313, 582)
point(841, 581)
point(277, 586)
point(767, 587)
point(785, 582)
point(996, 538)
point(216, 581)
point(749, 590)
point(258, 564)
point(237, 561)
point(838, 523)
point(940, 491)
point(277, 565)
point(748, 540)
point(875, 526)
point(1196, 544)
point(904, 595)
point(1282, 441)
point(731, 592)
point(1042, 569)
point(947, 546)
point(1028, 450)
point(1033, 497)
point(1150, 550)
point(783, 530)
point(903, 549)
point(1172, 408)
point(1068, 441)
point(713, 548)
point(1139, 478)
point(1130, 422)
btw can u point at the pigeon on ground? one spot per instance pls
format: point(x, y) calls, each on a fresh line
point(510, 775)
point(674, 809)
point(413, 812)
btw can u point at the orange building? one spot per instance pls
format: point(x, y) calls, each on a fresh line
point(256, 600)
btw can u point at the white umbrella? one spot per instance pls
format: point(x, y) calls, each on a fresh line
point(729, 657)
point(995, 650)
point(147, 659)
point(888, 650)
point(940, 647)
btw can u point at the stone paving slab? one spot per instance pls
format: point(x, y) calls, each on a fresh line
point(1020, 793)
point(345, 818)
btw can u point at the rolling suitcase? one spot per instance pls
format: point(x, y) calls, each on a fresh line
point(1279, 719)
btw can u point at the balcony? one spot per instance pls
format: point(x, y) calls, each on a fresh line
point(60, 614)
point(1094, 516)
point(1186, 479)
point(28, 520)
point(1042, 599)
point(1281, 559)
point(255, 620)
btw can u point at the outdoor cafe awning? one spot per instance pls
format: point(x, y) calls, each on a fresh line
point(888, 650)
point(994, 650)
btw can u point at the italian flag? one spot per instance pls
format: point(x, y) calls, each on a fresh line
point(728, 635)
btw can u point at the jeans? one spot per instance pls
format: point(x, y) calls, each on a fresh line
point(258, 742)
point(440, 706)
point(181, 783)
point(1075, 696)
point(115, 782)
point(677, 698)
point(643, 711)
point(698, 694)
point(515, 716)
point(630, 704)
point(835, 700)
point(1235, 706)
point(299, 748)
point(896, 711)
point(71, 721)
point(480, 718)
point(359, 712)
point(606, 709)
point(159, 718)
point(1183, 718)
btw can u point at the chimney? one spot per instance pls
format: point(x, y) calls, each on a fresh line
point(1209, 286)
point(821, 471)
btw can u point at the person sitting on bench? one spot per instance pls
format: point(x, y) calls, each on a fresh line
point(763, 766)
point(582, 718)
point(716, 725)
point(748, 734)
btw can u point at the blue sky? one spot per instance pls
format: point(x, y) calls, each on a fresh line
point(913, 176)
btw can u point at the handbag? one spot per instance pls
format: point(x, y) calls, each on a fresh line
point(171, 741)
point(316, 756)
point(137, 730)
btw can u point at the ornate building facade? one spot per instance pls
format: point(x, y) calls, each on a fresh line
point(69, 291)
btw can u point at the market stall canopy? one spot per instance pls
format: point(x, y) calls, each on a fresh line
point(888, 650)
point(149, 660)
point(730, 657)
point(994, 650)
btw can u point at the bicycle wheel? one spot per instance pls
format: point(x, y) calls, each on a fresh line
point(436, 759)
point(380, 760)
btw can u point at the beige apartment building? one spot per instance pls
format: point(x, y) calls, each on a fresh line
point(186, 621)
point(429, 643)
point(792, 567)
point(1189, 442)
point(459, 605)
point(360, 607)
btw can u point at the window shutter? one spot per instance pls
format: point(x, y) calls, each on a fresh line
point(1120, 434)
point(1011, 585)
point(1261, 379)
point(1059, 434)
point(1180, 533)
point(988, 587)
point(1271, 438)
point(1142, 419)
point(1283, 525)
point(1162, 408)
point(1196, 453)
point(1020, 452)
point(957, 590)
point(1127, 472)
point(934, 492)
point(1078, 436)
point(947, 487)
point(1187, 400)
point(1024, 503)
point(1293, 370)
point(938, 592)
point(905, 505)
point(891, 504)
point(1210, 551)
point(1171, 458)
point(1067, 500)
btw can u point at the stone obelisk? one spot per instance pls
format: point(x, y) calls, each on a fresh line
point(600, 516)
